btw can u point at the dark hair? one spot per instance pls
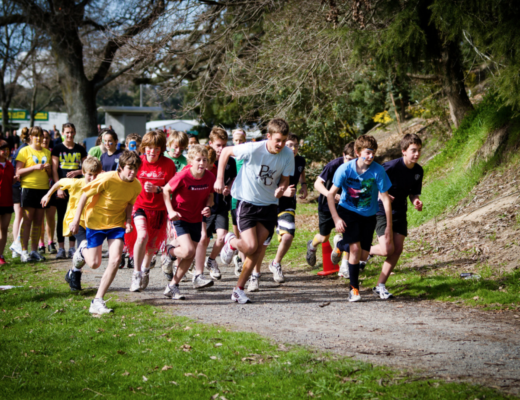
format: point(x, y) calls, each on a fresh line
point(348, 150)
point(129, 158)
point(109, 132)
point(365, 142)
point(278, 125)
point(68, 125)
point(293, 138)
point(408, 139)
point(193, 136)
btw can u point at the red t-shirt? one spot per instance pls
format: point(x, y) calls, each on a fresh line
point(159, 174)
point(6, 184)
point(189, 195)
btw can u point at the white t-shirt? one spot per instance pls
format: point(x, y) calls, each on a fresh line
point(261, 172)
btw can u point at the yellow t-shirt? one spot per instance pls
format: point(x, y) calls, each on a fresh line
point(110, 197)
point(74, 187)
point(31, 157)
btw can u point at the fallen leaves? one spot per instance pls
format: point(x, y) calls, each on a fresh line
point(218, 344)
point(126, 373)
point(145, 379)
point(186, 347)
point(121, 352)
point(166, 368)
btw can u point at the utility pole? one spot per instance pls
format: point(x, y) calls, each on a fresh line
point(140, 95)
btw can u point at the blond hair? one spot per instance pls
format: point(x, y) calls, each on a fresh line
point(195, 150)
point(180, 137)
point(278, 125)
point(91, 165)
point(218, 133)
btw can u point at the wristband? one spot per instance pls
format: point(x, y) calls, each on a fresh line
point(159, 190)
point(303, 183)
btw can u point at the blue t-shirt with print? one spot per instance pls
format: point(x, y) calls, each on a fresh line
point(360, 191)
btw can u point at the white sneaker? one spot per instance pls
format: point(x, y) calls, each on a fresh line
point(354, 295)
point(15, 255)
point(167, 267)
point(226, 254)
point(213, 269)
point(277, 272)
point(145, 279)
point(77, 260)
point(98, 306)
point(239, 296)
point(26, 257)
point(136, 282)
point(335, 256)
point(343, 271)
point(173, 292)
point(382, 292)
point(199, 282)
point(238, 264)
point(253, 283)
point(16, 248)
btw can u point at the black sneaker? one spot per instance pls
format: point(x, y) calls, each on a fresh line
point(130, 263)
point(73, 278)
point(52, 248)
point(41, 249)
point(122, 262)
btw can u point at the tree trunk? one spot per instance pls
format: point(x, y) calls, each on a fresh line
point(5, 116)
point(452, 74)
point(32, 111)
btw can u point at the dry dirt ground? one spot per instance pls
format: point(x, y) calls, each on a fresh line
point(432, 339)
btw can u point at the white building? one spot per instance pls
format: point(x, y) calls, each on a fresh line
point(175, 124)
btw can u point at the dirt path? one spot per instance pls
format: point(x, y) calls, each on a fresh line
point(432, 338)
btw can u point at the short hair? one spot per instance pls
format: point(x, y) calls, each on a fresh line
point(91, 165)
point(365, 142)
point(24, 135)
point(212, 155)
point(278, 125)
point(348, 150)
point(293, 138)
point(155, 138)
point(195, 150)
point(408, 139)
point(68, 125)
point(218, 133)
point(133, 136)
point(129, 158)
point(180, 137)
point(190, 136)
point(3, 143)
point(110, 132)
point(36, 131)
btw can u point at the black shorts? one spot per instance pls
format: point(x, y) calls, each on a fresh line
point(53, 201)
point(194, 229)
point(216, 221)
point(6, 210)
point(359, 228)
point(234, 217)
point(399, 224)
point(32, 198)
point(17, 194)
point(139, 213)
point(81, 235)
point(326, 223)
point(249, 215)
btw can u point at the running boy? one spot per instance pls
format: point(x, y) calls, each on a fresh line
point(191, 191)
point(326, 223)
point(263, 179)
point(108, 216)
point(177, 142)
point(90, 169)
point(406, 177)
point(360, 180)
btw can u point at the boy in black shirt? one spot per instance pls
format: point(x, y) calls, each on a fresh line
point(406, 177)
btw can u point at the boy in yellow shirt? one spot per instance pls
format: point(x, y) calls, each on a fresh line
point(90, 169)
point(108, 216)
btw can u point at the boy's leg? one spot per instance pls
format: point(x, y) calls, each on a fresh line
point(50, 226)
point(186, 252)
point(254, 281)
point(141, 226)
point(249, 241)
point(115, 249)
point(220, 224)
point(5, 220)
point(391, 260)
point(326, 224)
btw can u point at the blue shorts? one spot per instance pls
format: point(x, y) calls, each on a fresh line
point(194, 229)
point(96, 237)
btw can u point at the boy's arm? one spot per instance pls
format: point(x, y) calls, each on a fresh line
point(303, 188)
point(46, 198)
point(338, 222)
point(206, 211)
point(172, 214)
point(74, 225)
point(224, 158)
point(284, 183)
point(387, 203)
point(129, 227)
point(418, 204)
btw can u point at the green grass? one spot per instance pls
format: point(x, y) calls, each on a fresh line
point(51, 347)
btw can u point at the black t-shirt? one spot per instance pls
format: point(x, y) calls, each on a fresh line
point(223, 204)
point(326, 176)
point(110, 163)
point(69, 159)
point(289, 203)
point(405, 182)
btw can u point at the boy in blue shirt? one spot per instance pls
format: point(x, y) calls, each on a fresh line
point(360, 180)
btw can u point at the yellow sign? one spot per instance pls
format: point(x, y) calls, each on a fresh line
point(24, 115)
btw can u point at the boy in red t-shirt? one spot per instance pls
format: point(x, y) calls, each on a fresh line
point(190, 192)
point(6, 195)
point(149, 211)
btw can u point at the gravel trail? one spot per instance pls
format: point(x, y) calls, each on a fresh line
point(431, 338)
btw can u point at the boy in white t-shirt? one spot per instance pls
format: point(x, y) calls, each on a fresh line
point(259, 184)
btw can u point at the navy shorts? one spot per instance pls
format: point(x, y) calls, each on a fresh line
point(216, 221)
point(96, 237)
point(194, 229)
point(359, 229)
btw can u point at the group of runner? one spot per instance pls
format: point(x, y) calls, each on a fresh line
point(150, 198)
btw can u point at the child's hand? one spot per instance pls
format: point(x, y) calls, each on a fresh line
point(303, 192)
point(206, 211)
point(129, 227)
point(226, 191)
point(290, 191)
point(150, 188)
point(74, 227)
point(392, 198)
point(418, 204)
point(61, 194)
point(39, 167)
point(337, 198)
point(44, 201)
point(73, 174)
point(16, 178)
point(340, 225)
point(174, 216)
point(219, 185)
point(47, 167)
point(278, 193)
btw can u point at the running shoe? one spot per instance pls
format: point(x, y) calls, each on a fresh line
point(238, 264)
point(52, 248)
point(16, 248)
point(226, 254)
point(362, 265)
point(41, 249)
point(199, 282)
point(335, 256)
point(382, 292)
point(2, 260)
point(26, 257)
point(130, 263)
point(135, 286)
point(98, 306)
point(71, 252)
point(104, 254)
point(343, 271)
point(145, 279)
point(37, 256)
point(354, 295)
point(153, 262)
point(213, 269)
point(73, 278)
point(253, 283)
point(77, 260)
point(173, 292)
point(239, 296)
point(311, 254)
point(122, 263)
point(167, 267)
point(277, 272)
point(61, 254)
